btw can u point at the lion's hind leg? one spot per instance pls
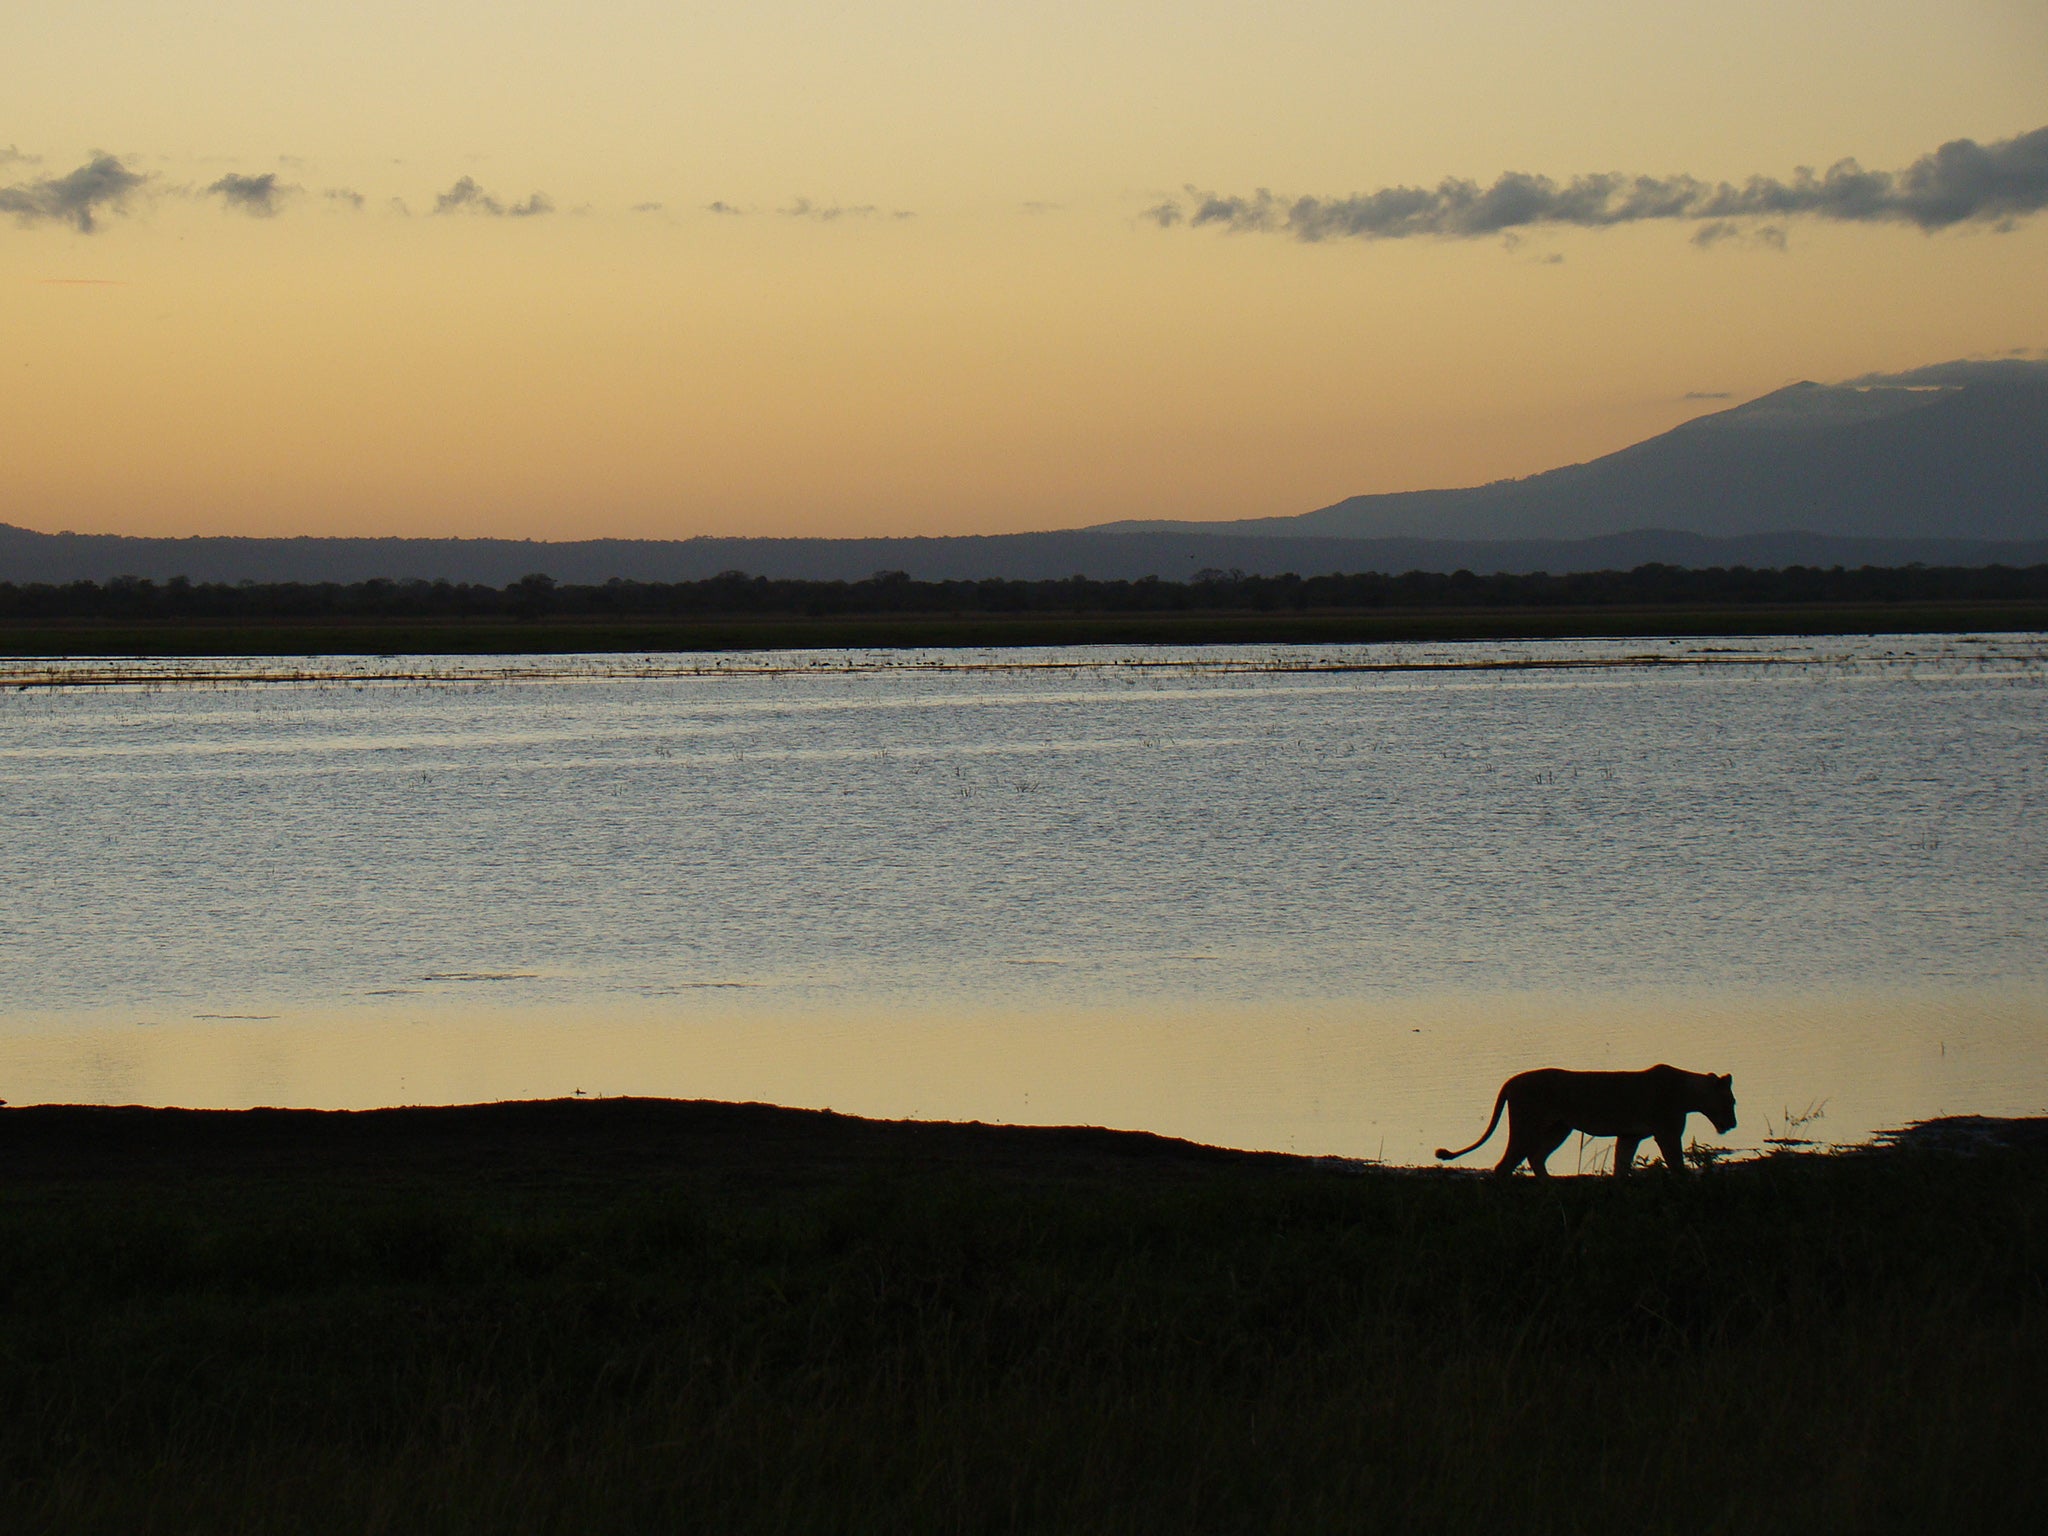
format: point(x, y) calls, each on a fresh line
point(1518, 1142)
point(1542, 1144)
point(1534, 1143)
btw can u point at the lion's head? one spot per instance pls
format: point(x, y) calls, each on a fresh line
point(1720, 1105)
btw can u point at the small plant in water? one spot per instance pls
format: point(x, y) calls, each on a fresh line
point(1780, 1135)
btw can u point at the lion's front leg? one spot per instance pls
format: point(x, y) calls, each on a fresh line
point(1625, 1153)
point(1671, 1143)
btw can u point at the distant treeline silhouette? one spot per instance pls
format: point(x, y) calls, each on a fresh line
point(738, 595)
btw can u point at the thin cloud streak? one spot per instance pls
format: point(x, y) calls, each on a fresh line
point(804, 208)
point(2015, 367)
point(1962, 182)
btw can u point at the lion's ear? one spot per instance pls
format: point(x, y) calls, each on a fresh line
point(1728, 1078)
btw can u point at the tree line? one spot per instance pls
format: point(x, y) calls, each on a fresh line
point(736, 594)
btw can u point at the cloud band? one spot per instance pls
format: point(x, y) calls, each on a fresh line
point(1961, 182)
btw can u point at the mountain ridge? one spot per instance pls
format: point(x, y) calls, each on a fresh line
point(1953, 451)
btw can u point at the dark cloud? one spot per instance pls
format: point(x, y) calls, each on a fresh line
point(347, 196)
point(258, 196)
point(1961, 182)
point(77, 198)
point(10, 155)
point(647, 207)
point(723, 207)
point(1708, 394)
point(467, 197)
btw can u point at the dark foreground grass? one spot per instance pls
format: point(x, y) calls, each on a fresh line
point(632, 1316)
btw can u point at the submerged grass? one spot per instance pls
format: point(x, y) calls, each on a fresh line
point(745, 1341)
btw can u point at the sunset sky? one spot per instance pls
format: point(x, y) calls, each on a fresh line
point(655, 269)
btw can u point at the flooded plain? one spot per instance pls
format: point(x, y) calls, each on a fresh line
point(1316, 898)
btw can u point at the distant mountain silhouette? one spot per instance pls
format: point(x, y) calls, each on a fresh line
point(1946, 466)
point(1955, 451)
point(26, 556)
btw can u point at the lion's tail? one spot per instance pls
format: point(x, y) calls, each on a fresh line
point(1499, 1102)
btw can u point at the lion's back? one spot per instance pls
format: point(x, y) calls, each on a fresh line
point(1605, 1103)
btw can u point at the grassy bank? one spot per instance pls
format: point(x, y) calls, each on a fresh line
point(554, 635)
point(642, 1316)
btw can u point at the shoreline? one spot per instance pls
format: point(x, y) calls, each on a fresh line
point(741, 1140)
point(702, 1136)
point(370, 637)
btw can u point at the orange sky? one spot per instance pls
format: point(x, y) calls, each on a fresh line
point(945, 303)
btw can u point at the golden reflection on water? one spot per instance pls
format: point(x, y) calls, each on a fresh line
point(1365, 1078)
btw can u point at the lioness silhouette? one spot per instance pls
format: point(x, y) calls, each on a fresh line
point(1547, 1105)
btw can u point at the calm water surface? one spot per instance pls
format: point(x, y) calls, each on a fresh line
point(1311, 897)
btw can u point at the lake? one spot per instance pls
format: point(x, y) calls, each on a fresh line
point(1316, 898)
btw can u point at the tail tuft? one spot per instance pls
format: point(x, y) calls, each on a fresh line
point(1445, 1153)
